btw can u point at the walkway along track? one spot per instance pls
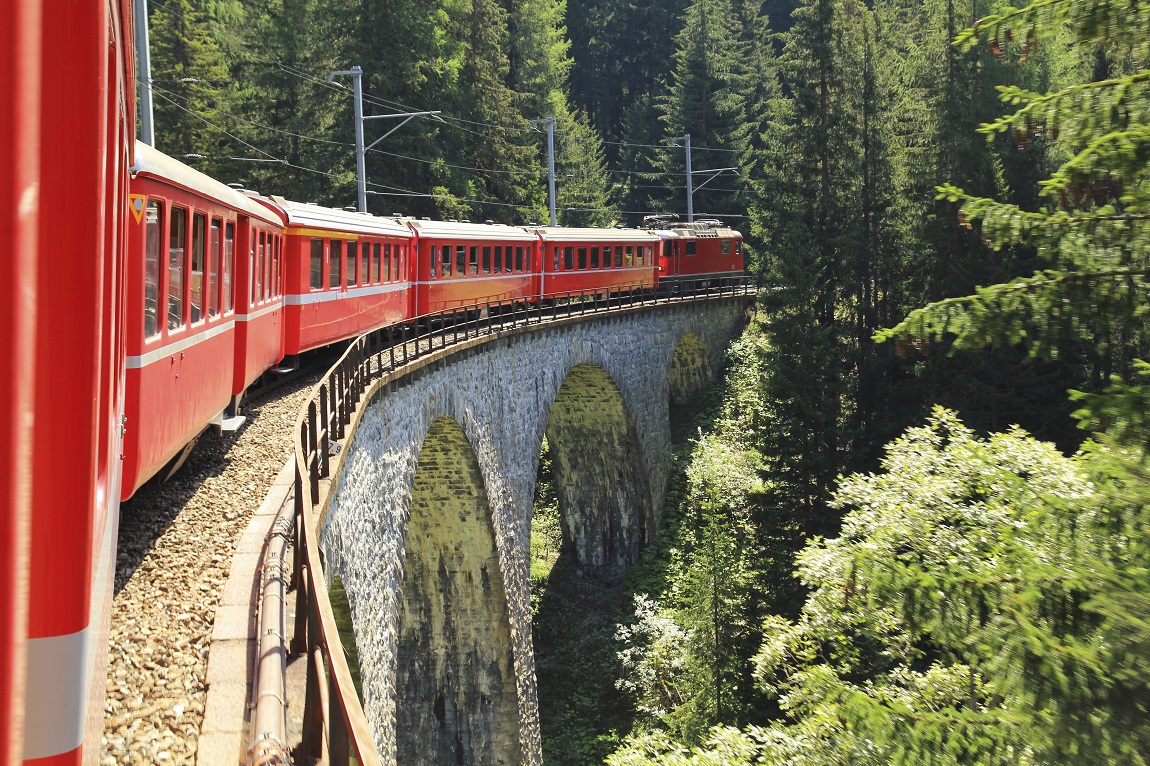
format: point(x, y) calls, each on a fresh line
point(334, 723)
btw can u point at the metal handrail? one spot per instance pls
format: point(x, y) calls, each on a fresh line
point(334, 723)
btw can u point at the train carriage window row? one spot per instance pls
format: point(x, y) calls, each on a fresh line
point(563, 258)
point(355, 263)
point(197, 285)
point(447, 261)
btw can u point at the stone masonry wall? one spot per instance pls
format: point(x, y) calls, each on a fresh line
point(501, 395)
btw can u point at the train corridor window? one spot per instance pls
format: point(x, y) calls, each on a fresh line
point(582, 258)
point(618, 256)
point(199, 248)
point(690, 247)
point(518, 257)
point(229, 265)
point(487, 259)
point(277, 280)
point(267, 267)
point(568, 258)
point(725, 247)
point(177, 242)
point(473, 263)
point(508, 261)
point(398, 262)
point(214, 269)
point(387, 262)
point(364, 263)
point(497, 261)
point(376, 249)
point(630, 258)
point(335, 264)
point(258, 287)
point(154, 230)
point(352, 263)
point(460, 260)
point(316, 264)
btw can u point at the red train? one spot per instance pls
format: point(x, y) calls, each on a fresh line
point(224, 285)
point(172, 293)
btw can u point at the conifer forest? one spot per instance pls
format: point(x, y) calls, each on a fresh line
point(911, 522)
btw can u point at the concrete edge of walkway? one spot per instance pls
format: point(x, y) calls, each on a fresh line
point(234, 644)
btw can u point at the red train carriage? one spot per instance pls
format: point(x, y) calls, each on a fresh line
point(63, 197)
point(346, 273)
point(261, 325)
point(594, 259)
point(700, 250)
point(185, 230)
point(462, 264)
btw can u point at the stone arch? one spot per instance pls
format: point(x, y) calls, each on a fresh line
point(690, 369)
point(605, 505)
point(455, 692)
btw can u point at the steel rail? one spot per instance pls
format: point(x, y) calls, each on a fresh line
point(335, 726)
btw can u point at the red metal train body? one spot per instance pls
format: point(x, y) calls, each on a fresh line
point(64, 202)
point(173, 293)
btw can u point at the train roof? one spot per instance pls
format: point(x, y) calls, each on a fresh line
point(687, 231)
point(153, 163)
point(465, 230)
point(589, 234)
point(307, 215)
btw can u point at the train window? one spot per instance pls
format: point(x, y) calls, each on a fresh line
point(335, 265)
point(487, 259)
point(279, 260)
point(460, 260)
point(725, 247)
point(400, 262)
point(214, 269)
point(555, 258)
point(690, 247)
point(508, 263)
point(595, 257)
point(630, 259)
point(258, 287)
point(199, 247)
point(387, 262)
point(618, 256)
point(376, 249)
point(316, 263)
point(568, 258)
point(153, 232)
point(352, 263)
point(445, 261)
point(518, 257)
point(177, 241)
point(497, 263)
point(365, 264)
point(229, 265)
point(582, 257)
point(473, 264)
point(267, 266)
point(433, 262)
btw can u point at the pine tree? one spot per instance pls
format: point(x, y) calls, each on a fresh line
point(705, 99)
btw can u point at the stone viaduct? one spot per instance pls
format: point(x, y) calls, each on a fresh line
point(429, 527)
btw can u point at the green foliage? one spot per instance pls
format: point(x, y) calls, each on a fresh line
point(1092, 229)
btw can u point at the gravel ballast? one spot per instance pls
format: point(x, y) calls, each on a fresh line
point(175, 550)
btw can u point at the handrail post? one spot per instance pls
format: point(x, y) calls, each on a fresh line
point(325, 433)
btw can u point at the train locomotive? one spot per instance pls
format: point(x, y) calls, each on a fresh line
point(172, 294)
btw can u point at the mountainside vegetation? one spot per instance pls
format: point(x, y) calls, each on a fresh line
point(910, 525)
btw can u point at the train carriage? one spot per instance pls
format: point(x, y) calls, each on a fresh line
point(460, 264)
point(702, 250)
point(346, 273)
point(596, 259)
point(64, 200)
point(183, 235)
point(259, 255)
